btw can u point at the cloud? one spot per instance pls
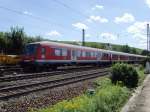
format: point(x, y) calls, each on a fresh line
point(108, 35)
point(138, 29)
point(79, 25)
point(97, 19)
point(97, 7)
point(27, 13)
point(148, 3)
point(87, 35)
point(138, 32)
point(126, 18)
point(53, 33)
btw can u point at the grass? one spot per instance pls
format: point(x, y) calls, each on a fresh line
point(141, 74)
point(106, 98)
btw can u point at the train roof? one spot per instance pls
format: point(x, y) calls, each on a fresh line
point(83, 47)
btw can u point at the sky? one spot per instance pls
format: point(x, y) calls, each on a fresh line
point(109, 21)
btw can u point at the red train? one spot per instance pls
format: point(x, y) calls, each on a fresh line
point(53, 54)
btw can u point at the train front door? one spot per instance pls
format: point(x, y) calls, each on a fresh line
point(73, 55)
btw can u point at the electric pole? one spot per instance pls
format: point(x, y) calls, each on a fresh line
point(148, 39)
point(83, 37)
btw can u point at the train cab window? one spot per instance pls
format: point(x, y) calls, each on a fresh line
point(64, 52)
point(57, 52)
point(30, 49)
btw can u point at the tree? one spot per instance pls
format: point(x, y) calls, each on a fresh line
point(2, 42)
point(133, 51)
point(125, 48)
point(145, 52)
point(15, 40)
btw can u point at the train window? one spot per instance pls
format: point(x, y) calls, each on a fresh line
point(105, 55)
point(78, 53)
point(114, 56)
point(64, 52)
point(88, 54)
point(92, 54)
point(57, 52)
point(83, 54)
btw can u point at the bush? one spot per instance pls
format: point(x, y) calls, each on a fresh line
point(110, 99)
point(125, 73)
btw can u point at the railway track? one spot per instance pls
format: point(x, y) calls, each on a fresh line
point(68, 78)
point(8, 66)
point(43, 74)
point(4, 70)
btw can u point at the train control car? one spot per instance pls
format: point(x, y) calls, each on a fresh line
point(53, 54)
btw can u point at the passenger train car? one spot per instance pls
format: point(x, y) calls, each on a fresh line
point(53, 54)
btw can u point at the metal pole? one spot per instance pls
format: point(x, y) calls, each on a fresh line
point(83, 37)
point(148, 40)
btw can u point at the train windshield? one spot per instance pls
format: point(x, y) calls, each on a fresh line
point(30, 49)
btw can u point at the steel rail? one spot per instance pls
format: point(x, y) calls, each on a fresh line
point(14, 91)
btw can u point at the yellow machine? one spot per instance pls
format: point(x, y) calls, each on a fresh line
point(9, 59)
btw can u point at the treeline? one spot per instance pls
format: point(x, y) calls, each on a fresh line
point(14, 41)
point(120, 48)
point(108, 46)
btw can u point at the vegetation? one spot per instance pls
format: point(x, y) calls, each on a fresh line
point(125, 73)
point(108, 46)
point(108, 98)
point(13, 42)
point(141, 74)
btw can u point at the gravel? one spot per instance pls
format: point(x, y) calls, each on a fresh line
point(45, 98)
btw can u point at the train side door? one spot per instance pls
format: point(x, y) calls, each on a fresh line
point(43, 52)
point(99, 56)
point(73, 55)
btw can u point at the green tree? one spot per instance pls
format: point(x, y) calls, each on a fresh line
point(125, 48)
point(145, 52)
point(133, 51)
point(15, 40)
point(2, 42)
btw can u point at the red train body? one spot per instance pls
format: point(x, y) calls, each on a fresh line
point(55, 54)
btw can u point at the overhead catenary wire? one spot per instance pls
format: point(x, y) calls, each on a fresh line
point(70, 8)
point(50, 22)
point(73, 10)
